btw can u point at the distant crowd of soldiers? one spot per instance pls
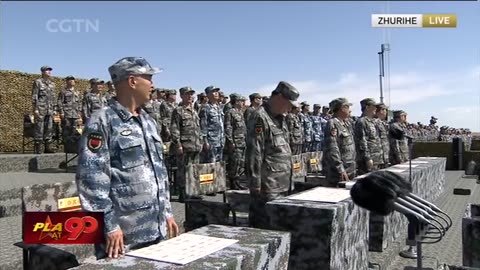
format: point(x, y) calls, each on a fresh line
point(214, 127)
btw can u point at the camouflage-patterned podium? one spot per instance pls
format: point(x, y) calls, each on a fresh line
point(299, 167)
point(256, 249)
point(428, 181)
point(202, 179)
point(324, 235)
point(49, 198)
point(313, 161)
point(471, 236)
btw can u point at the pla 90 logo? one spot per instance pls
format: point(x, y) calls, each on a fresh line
point(63, 227)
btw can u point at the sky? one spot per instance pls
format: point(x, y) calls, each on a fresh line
point(325, 49)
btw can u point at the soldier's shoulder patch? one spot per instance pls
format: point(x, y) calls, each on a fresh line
point(259, 126)
point(94, 141)
point(333, 132)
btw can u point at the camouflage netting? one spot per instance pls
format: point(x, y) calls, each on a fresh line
point(16, 100)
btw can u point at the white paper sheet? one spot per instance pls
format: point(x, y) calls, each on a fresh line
point(430, 157)
point(401, 166)
point(182, 249)
point(419, 162)
point(395, 170)
point(323, 194)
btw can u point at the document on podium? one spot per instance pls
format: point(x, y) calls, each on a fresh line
point(182, 249)
point(323, 194)
point(406, 166)
point(395, 170)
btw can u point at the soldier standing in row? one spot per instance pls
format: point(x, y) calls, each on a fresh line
point(229, 105)
point(166, 109)
point(255, 102)
point(382, 127)
point(186, 136)
point(94, 100)
point(211, 123)
point(268, 155)
point(202, 99)
point(307, 127)
point(296, 130)
point(69, 107)
point(235, 135)
point(110, 91)
point(150, 108)
point(367, 138)
point(318, 127)
point(42, 104)
point(339, 152)
point(325, 113)
point(398, 144)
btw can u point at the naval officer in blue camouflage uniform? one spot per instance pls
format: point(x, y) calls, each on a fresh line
point(121, 167)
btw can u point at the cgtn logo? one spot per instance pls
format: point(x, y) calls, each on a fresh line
point(63, 228)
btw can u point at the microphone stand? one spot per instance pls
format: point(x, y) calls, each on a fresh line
point(413, 248)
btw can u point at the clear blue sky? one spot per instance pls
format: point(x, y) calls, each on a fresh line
point(249, 46)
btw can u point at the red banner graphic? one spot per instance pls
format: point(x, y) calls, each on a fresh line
point(63, 228)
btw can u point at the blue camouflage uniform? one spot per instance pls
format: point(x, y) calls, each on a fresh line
point(211, 124)
point(307, 131)
point(318, 128)
point(121, 172)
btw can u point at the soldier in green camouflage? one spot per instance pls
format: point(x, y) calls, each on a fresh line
point(339, 151)
point(398, 147)
point(150, 108)
point(268, 155)
point(235, 134)
point(94, 100)
point(382, 127)
point(186, 136)
point(296, 129)
point(202, 99)
point(255, 102)
point(110, 91)
point(42, 104)
point(166, 109)
point(69, 107)
point(367, 138)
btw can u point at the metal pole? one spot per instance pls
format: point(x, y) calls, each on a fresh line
point(380, 59)
point(419, 256)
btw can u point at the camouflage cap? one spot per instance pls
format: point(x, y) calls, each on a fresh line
point(381, 106)
point(161, 90)
point(221, 94)
point(68, 78)
point(434, 118)
point(171, 92)
point(316, 106)
point(240, 97)
point(131, 66)
point(234, 96)
point(399, 113)
point(287, 90)
point(96, 81)
point(338, 103)
point(368, 101)
point(202, 95)
point(210, 89)
point(295, 104)
point(255, 95)
point(265, 97)
point(46, 68)
point(186, 89)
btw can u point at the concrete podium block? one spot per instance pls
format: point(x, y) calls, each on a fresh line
point(324, 235)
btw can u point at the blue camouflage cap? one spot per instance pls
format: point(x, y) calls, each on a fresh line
point(210, 89)
point(131, 66)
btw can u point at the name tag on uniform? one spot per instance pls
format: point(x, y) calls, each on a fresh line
point(69, 204)
point(313, 161)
